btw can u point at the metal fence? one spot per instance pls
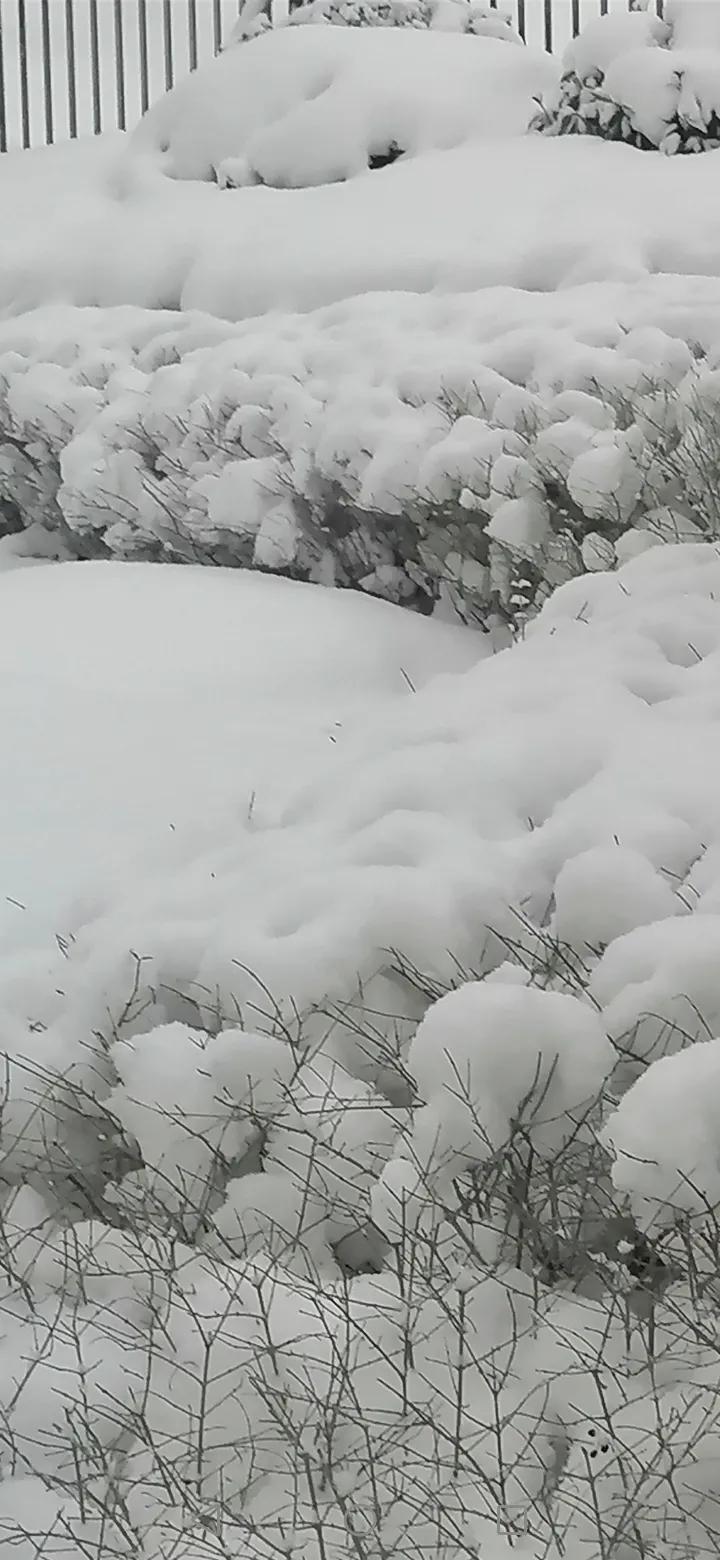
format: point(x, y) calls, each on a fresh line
point(79, 67)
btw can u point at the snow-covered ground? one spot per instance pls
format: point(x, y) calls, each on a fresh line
point(136, 700)
point(550, 214)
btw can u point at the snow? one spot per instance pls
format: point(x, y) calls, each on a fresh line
point(156, 696)
point(665, 1135)
point(489, 1054)
point(445, 845)
point(695, 25)
point(606, 39)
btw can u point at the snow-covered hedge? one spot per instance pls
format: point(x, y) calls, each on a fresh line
point(440, 448)
point(359, 1171)
point(652, 83)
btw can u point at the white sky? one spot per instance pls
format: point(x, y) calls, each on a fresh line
point(156, 11)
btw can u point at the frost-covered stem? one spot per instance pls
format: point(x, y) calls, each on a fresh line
point(522, 1203)
point(460, 1382)
point(319, 1525)
point(400, 1251)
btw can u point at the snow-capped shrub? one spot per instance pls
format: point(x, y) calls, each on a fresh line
point(651, 83)
point(465, 16)
point(665, 1137)
point(322, 451)
point(301, 107)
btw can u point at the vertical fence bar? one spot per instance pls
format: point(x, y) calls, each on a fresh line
point(604, 7)
point(3, 111)
point(23, 65)
point(143, 56)
point(575, 17)
point(660, 8)
point(522, 24)
point(47, 71)
point(119, 48)
point(168, 44)
point(192, 34)
point(95, 67)
point(71, 60)
point(548, 8)
point(119, 45)
point(217, 26)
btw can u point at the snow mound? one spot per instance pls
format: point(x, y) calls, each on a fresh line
point(314, 105)
point(489, 1055)
point(607, 38)
point(552, 214)
point(425, 849)
point(665, 1136)
point(223, 679)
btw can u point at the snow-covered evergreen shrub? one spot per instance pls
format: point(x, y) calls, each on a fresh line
point(648, 82)
point(476, 17)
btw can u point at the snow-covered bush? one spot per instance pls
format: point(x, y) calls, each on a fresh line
point(302, 107)
point(415, 455)
point(464, 16)
point(652, 83)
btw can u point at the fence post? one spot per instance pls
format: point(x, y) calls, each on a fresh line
point(168, 45)
point(71, 68)
point(3, 113)
point(119, 68)
point(95, 67)
point(47, 71)
point(192, 34)
point(23, 63)
point(143, 50)
point(549, 26)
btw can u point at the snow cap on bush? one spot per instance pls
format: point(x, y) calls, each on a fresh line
point(636, 78)
point(490, 1055)
point(665, 1136)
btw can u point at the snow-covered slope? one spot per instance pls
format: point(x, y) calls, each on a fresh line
point(138, 701)
point(437, 824)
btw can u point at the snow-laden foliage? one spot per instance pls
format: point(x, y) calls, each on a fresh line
point(359, 1170)
point(478, 17)
point(416, 456)
point(650, 82)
